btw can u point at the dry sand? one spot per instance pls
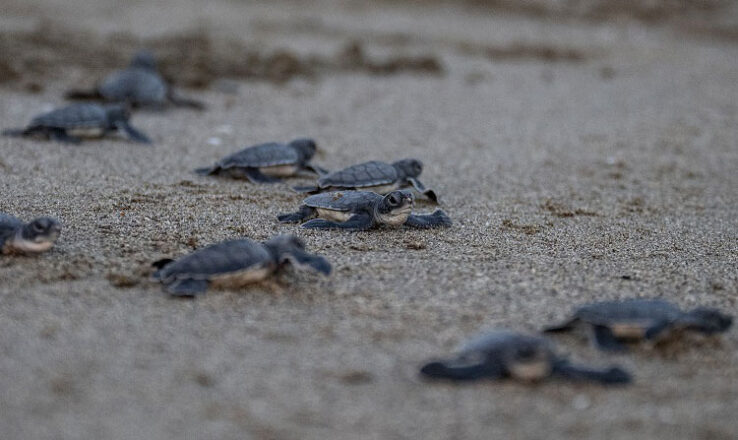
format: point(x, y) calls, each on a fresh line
point(581, 159)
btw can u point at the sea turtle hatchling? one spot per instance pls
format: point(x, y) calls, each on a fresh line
point(139, 84)
point(613, 322)
point(361, 210)
point(380, 177)
point(74, 122)
point(500, 354)
point(233, 264)
point(33, 237)
point(265, 163)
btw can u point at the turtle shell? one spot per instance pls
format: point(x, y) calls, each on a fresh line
point(8, 226)
point(218, 259)
point(635, 312)
point(346, 201)
point(361, 175)
point(263, 155)
point(73, 116)
point(139, 86)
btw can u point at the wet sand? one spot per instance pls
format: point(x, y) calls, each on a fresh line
point(580, 159)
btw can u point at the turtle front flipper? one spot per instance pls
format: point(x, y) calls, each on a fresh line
point(657, 330)
point(303, 214)
point(358, 222)
point(302, 259)
point(419, 187)
point(180, 101)
point(207, 171)
point(562, 327)
point(438, 219)
point(132, 133)
point(187, 287)
point(606, 340)
point(256, 176)
point(450, 371)
point(607, 376)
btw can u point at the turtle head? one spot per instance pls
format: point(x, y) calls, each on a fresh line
point(305, 147)
point(144, 59)
point(409, 167)
point(707, 320)
point(395, 207)
point(290, 249)
point(39, 234)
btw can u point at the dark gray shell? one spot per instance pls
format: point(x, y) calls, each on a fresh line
point(347, 201)
point(8, 226)
point(361, 175)
point(263, 155)
point(135, 85)
point(221, 258)
point(498, 342)
point(73, 116)
point(628, 311)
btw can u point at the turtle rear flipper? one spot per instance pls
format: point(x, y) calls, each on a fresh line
point(301, 259)
point(132, 133)
point(303, 214)
point(206, 171)
point(608, 376)
point(83, 95)
point(15, 132)
point(316, 169)
point(187, 287)
point(308, 189)
point(436, 220)
point(419, 187)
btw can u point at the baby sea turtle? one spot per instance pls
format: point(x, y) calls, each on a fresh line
point(642, 319)
point(233, 264)
point(360, 210)
point(380, 177)
point(76, 121)
point(140, 85)
point(264, 163)
point(503, 353)
point(33, 237)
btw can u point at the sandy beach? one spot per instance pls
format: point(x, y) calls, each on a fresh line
point(583, 155)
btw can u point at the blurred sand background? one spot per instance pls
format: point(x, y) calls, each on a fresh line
point(585, 151)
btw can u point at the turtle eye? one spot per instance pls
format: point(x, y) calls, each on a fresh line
point(393, 201)
point(37, 227)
